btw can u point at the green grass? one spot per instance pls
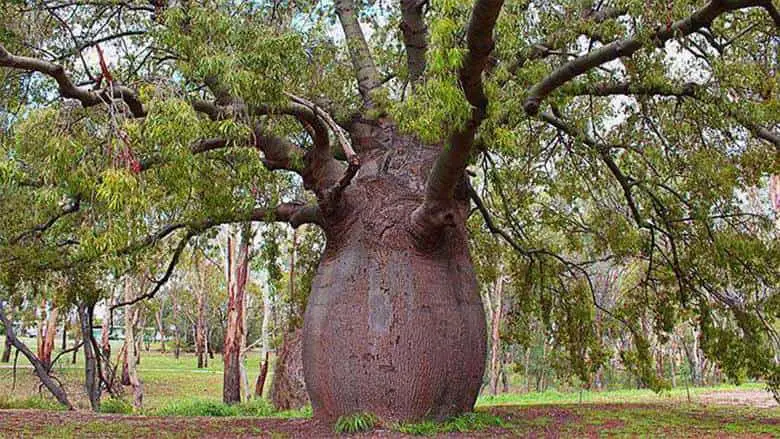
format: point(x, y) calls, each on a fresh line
point(35, 402)
point(355, 423)
point(116, 405)
point(465, 423)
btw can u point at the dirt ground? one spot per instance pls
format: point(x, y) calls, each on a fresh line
point(747, 398)
point(743, 414)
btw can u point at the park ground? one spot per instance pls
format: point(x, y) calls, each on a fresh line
point(175, 391)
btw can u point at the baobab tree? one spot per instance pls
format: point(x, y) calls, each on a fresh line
point(631, 125)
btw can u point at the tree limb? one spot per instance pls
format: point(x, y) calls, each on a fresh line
point(67, 89)
point(450, 164)
point(415, 34)
point(365, 70)
point(627, 47)
point(691, 90)
point(40, 368)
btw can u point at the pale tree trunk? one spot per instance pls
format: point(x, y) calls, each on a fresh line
point(105, 333)
point(47, 331)
point(131, 319)
point(266, 342)
point(201, 338)
point(495, 338)
point(237, 266)
point(176, 332)
point(160, 327)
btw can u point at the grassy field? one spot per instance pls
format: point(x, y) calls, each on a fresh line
point(175, 390)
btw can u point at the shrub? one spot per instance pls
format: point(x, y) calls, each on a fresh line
point(355, 423)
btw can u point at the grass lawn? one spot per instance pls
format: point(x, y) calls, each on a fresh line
point(177, 387)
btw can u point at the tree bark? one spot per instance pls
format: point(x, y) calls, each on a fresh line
point(49, 337)
point(131, 319)
point(160, 328)
point(495, 336)
point(288, 390)
point(201, 338)
point(261, 377)
point(237, 266)
point(394, 324)
point(91, 368)
point(6, 351)
point(40, 369)
point(266, 337)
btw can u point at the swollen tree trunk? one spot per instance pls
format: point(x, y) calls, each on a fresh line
point(237, 266)
point(394, 324)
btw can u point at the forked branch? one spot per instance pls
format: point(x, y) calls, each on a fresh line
point(67, 89)
point(624, 48)
point(448, 170)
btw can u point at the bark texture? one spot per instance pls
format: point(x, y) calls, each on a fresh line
point(91, 365)
point(238, 264)
point(394, 324)
point(131, 318)
point(288, 390)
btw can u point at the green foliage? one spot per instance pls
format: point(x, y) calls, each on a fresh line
point(35, 403)
point(355, 423)
point(201, 407)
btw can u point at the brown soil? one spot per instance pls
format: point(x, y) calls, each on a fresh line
point(747, 398)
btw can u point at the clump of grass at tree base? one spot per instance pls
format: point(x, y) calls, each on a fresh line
point(355, 423)
point(116, 406)
point(464, 423)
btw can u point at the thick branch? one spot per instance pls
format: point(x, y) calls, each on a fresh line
point(414, 32)
point(294, 214)
point(365, 70)
point(448, 169)
point(40, 368)
point(71, 207)
point(627, 47)
point(67, 89)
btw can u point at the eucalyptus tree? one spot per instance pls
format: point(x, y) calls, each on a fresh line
point(632, 126)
